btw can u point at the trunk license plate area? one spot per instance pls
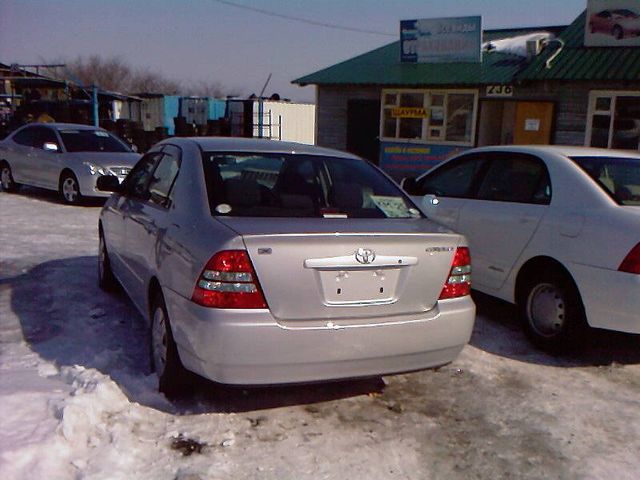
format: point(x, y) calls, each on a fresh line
point(358, 287)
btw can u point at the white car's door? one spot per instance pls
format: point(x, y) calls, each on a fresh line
point(504, 215)
point(46, 164)
point(442, 193)
point(20, 149)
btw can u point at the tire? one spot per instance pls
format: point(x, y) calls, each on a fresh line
point(6, 178)
point(173, 378)
point(617, 32)
point(69, 189)
point(106, 280)
point(552, 312)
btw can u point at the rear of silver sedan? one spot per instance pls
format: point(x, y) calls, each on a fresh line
point(333, 274)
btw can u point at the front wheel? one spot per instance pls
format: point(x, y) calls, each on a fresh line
point(70, 189)
point(6, 178)
point(552, 312)
point(173, 378)
point(106, 280)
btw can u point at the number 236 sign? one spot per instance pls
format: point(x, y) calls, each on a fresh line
point(499, 91)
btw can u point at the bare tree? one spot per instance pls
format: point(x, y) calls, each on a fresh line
point(116, 74)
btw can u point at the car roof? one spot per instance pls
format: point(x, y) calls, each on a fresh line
point(63, 126)
point(564, 150)
point(235, 144)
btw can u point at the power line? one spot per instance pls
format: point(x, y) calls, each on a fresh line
point(305, 20)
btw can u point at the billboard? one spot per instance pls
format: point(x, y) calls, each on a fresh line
point(612, 23)
point(441, 40)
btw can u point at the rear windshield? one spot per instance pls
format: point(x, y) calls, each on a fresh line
point(619, 177)
point(279, 185)
point(91, 141)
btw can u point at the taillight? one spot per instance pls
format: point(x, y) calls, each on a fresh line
point(229, 281)
point(459, 282)
point(631, 263)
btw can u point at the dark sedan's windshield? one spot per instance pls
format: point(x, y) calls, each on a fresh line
point(91, 141)
point(619, 177)
point(279, 185)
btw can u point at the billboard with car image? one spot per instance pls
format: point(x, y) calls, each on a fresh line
point(612, 23)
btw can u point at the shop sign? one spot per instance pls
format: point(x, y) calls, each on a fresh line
point(415, 158)
point(441, 40)
point(409, 112)
point(499, 91)
point(612, 23)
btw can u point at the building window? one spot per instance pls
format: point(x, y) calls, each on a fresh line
point(429, 116)
point(614, 120)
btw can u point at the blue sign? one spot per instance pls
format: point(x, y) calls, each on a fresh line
point(413, 158)
point(441, 40)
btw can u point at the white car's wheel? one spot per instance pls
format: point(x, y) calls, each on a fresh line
point(552, 312)
point(6, 178)
point(69, 189)
point(172, 376)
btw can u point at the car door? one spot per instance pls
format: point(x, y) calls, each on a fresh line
point(499, 223)
point(146, 222)
point(47, 164)
point(20, 150)
point(442, 193)
point(134, 189)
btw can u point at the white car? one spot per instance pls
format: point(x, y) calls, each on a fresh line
point(64, 157)
point(553, 229)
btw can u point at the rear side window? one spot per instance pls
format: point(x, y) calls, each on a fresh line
point(518, 178)
point(137, 182)
point(283, 185)
point(619, 177)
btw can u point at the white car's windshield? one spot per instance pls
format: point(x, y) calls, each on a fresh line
point(619, 177)
point(278, 185)
point(91, 141)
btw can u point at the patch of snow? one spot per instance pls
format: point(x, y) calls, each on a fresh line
point(516, 45)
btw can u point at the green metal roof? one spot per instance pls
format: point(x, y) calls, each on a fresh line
point(382, 66)
point(577, 62)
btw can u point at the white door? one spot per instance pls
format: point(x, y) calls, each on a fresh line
point(500, 221)
point(442, 193)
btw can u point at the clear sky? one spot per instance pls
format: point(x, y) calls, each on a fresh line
point(209, 40)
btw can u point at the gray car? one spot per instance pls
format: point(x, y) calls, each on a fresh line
point(64, 157)
point(259, 262)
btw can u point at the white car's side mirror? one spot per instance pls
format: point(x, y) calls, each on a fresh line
point(431, 200)
point(50, 147)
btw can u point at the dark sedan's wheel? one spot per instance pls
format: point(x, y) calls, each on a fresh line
point(69, 189)
point(552, 312)
point(6, 178)
point(106, 280)
point(617, 32)
point(173, 378)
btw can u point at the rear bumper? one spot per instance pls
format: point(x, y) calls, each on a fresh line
point(249, 347)
point(611, 299)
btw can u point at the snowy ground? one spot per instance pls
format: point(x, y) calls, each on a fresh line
point(77, 400)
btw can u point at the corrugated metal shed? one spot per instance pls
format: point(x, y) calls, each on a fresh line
point(577, 62)
point(382, 67)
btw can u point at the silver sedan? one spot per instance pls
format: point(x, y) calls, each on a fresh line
point(64, 157)
point(259, 262)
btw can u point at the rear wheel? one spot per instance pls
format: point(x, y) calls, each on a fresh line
point(173, 378)
point(552, 312)
point(69, 189)
point(106, 280)
point(6, 178)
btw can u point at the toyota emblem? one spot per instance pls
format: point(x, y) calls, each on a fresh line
point(365, 256)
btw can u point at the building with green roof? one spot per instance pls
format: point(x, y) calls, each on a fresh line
point(532, 85)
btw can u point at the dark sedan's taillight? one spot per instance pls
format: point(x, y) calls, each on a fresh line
point(229, 281)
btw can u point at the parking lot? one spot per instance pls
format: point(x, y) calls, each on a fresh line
point(79, 401)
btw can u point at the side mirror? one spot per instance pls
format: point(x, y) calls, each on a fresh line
point(50, 147)
point(109, 183)
point(409, 185)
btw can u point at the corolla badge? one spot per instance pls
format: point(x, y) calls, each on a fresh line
point(365, 255)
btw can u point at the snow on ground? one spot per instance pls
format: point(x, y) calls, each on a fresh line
point(77, 400)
